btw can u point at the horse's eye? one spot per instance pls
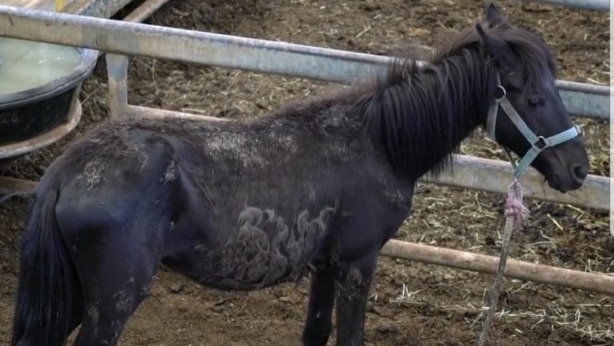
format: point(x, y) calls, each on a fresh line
point(535, 100)
point(515, 80)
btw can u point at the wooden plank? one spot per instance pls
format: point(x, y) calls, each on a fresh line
point(10, 185)
point(597, 282)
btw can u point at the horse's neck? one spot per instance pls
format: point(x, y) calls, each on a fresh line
point(424, 118)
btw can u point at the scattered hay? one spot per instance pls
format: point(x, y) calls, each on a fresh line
point(580, 320)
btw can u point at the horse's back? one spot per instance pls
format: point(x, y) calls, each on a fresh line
point(234, 206)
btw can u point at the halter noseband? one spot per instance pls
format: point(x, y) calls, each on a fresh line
point(538, 143)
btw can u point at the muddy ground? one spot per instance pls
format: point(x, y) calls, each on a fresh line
point(412, 303)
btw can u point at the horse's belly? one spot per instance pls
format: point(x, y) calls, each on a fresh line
point(263, 251)
point(249, 266)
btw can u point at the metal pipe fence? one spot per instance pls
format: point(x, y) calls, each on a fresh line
point(243, 53)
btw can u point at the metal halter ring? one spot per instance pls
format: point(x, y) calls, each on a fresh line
point(500, 92)
point(541, 143)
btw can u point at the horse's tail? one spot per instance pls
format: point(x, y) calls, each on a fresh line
point(48, 282)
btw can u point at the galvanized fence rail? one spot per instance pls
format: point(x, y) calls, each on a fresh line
point(243, 53)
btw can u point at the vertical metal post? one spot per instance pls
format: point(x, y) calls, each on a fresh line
point(117, 70)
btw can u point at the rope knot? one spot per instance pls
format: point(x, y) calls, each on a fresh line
point(514, 206)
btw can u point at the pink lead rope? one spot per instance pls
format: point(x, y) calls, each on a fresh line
point(515, 215)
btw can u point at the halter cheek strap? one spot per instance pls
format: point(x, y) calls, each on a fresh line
point(538, 143)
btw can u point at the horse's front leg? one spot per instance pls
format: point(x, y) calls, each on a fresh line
point(321, 301)
point(352, 290)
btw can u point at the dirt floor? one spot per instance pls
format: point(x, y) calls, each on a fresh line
point(412, 303)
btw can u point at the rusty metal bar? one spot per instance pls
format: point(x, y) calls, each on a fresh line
point(234, 52)
point(132, 111)
point(597, 282)
point(10, 186)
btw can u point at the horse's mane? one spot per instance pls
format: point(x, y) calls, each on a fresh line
point(415, 109)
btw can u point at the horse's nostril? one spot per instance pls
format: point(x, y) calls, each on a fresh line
point(580, 172)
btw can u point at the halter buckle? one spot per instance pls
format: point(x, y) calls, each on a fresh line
point(541, 143)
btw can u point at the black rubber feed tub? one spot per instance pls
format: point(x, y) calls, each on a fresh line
point(36, 117)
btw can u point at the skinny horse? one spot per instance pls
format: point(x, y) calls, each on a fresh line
point(316, 188)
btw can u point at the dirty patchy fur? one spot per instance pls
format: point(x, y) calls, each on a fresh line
point(253, 231)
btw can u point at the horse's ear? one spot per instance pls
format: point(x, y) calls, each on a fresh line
point(497, 48)
point(495, 17)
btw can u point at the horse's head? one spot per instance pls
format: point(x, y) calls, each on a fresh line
point(527, 114)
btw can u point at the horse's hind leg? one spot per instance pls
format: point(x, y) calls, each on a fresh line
point(321, 301)
point(352, 290)
point(116, 271)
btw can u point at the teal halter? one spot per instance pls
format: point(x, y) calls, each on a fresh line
point(538, 143)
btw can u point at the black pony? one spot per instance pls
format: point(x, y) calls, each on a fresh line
point(316, 188)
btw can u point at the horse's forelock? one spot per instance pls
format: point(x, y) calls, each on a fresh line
point(537, 59)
